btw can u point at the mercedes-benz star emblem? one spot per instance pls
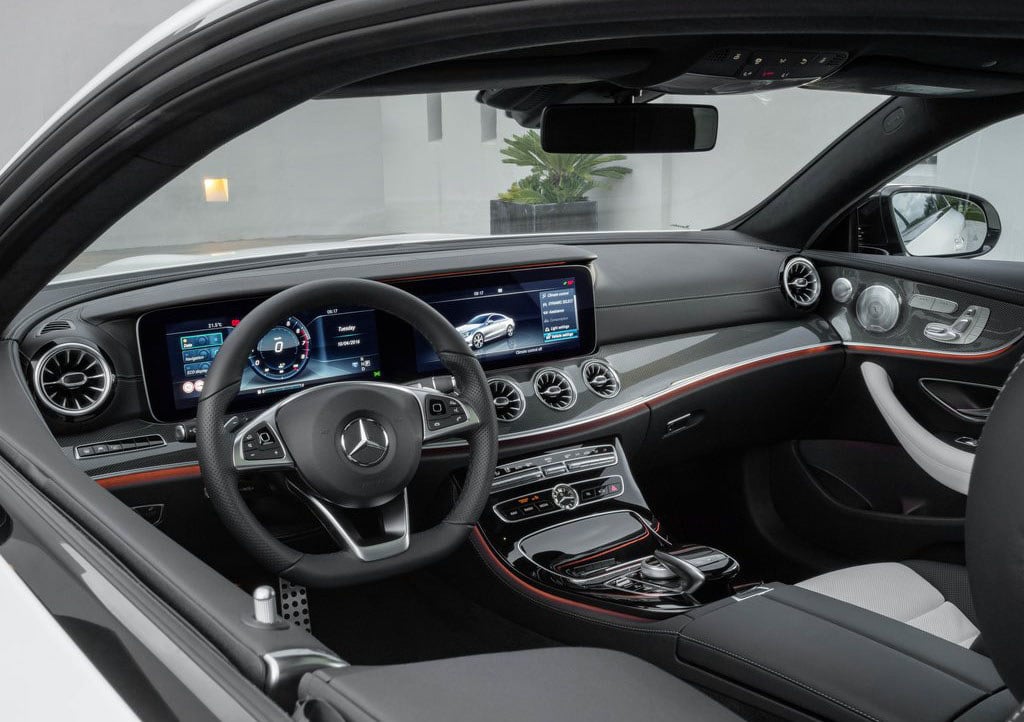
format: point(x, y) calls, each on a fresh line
point(365, 442)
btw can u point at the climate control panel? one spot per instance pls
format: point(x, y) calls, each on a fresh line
point(561, 497)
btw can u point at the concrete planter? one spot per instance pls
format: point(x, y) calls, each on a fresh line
point(542, 217)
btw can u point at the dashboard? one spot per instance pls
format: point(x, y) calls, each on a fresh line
point(507, 318)
point(582, 341)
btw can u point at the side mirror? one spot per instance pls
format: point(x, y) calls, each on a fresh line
point(939, 222)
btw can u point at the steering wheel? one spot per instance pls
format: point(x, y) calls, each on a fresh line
point(348, 445)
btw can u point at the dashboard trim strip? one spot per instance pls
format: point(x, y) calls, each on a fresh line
point(164, 473)
point(677, 388)
point(927, 353)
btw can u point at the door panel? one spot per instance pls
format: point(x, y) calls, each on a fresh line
point(847, 485)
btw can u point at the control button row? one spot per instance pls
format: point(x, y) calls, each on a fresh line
point(561, 497)
point(556, 464)
point(781, 66)
point(118, 446)
point(443, 412)
point(260, 444)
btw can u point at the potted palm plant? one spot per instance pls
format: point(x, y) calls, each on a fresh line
point(553, 197)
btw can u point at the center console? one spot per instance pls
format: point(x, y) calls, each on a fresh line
point(574, 522)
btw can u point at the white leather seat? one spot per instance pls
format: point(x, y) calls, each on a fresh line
point(931, 596)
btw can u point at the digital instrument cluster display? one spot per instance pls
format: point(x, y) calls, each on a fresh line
point(506, 318)
point(305, 349)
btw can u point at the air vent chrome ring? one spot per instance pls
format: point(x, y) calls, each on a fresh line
point(554, 389)
point(800, 282)
point(509, 402)
point(601, 379)
point(72, 379)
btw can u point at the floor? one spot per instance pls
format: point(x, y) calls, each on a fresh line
point(412, 618)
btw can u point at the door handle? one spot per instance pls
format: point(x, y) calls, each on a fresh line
point(946, 464)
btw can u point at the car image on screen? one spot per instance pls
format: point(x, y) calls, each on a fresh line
point(486, 327)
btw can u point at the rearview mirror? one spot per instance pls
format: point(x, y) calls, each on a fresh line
point(646, 128)
point(940, 222)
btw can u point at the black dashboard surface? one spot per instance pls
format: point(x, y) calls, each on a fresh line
point(646, 287)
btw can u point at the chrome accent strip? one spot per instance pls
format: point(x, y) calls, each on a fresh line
point(654, 397)
point(752, 592)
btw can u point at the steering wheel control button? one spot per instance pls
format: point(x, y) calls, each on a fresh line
point(444, 413)
point(261, 444)
point(365, 442)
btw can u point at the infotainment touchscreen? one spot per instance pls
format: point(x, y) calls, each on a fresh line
point(513, 318)
point(307, 348)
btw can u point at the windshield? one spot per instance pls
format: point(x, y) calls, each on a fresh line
point(407, 169)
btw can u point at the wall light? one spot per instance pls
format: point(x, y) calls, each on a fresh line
point(216, 190)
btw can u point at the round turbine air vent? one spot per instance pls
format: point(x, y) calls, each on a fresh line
point(509, 404)
point(800, 282)
point(601, 379)
point(73, 379)
point(554, 389)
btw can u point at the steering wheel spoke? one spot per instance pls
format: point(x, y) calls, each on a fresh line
point(394, 521)
point(258, 445)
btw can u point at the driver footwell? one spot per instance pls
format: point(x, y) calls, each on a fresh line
point(412, 618)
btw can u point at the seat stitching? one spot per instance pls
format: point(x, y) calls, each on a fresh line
point(780, 675)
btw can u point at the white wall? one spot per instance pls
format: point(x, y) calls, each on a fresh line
point(51, 48)
point(369, 167)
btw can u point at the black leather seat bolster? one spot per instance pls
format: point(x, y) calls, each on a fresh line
point(833, 659)
point(559, 683)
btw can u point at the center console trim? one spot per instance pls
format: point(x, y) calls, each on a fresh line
point(609, 573)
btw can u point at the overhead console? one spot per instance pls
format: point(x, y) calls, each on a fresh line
point(507, 318)
point(732, 70)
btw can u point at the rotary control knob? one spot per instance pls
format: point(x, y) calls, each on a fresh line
point(565, 497)
point(653, 569)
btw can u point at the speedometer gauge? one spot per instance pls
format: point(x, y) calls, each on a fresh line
point(283, 352)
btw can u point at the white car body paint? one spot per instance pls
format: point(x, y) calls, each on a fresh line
point(45, 675)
